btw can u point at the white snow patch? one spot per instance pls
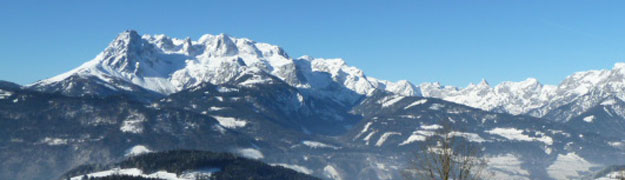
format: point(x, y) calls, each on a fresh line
point(300, 98)
point(413, 138)
point(425, 132)
point(251, 82)
point(607, 111)
point(250, 153)
point(548, 150)
point(222, 89)
point(137, 172)
point(315, 144)
point(616, 144)
point(559, 132)
point(297, 168)
point(589, 119)
point(469, 136)
point(330, 172)
point(506, 166)
point(199, 174)
point(132, 126)
point(115, 171)
point(365, 129)
point(5, 94)
point(137, 150)
point(419, 135)
point(616, 175)
point(366, 139)
point(608, 102)
point(436, 106)
point(216, 108)
point(457, 111)
point(390, 102)
point(517, 134)
point(416, 103)
point(569, 166)
point(451, 120)
point(230, 122)
point(409, 116)
point(431, 127)
point(54, 141)
point(384, 137)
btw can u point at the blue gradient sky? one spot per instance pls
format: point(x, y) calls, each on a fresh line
point(453, 42)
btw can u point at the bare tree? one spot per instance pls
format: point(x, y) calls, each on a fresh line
point(444, 156)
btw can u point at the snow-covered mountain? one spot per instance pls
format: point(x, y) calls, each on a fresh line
point(511, 97)
point(578, 92)
point(167, 65)
point(517, 147)
point(266, 122)
point(157, 65)
point(222, 93)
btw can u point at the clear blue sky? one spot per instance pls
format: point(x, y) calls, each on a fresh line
point(453, 42)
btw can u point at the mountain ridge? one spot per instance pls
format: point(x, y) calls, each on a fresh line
point(223, 93)
point(164, 65)
point(534, 98)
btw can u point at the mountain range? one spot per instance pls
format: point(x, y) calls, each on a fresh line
point(164, 65)
point(318, 116)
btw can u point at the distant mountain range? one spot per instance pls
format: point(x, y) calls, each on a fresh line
point(164, 65)
point(576, 94)
point(317, 116)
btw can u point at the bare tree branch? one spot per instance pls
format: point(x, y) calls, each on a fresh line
point(445, 156)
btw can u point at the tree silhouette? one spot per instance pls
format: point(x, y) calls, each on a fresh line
point(445, 156)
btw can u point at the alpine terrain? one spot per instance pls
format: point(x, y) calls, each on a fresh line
point(153, 106)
